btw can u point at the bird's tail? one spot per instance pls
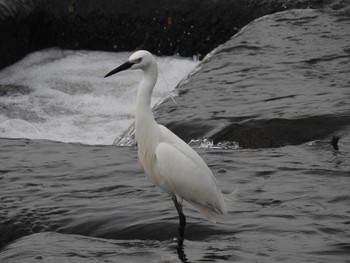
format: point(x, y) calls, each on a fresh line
point(230, 198)
point(208, 212)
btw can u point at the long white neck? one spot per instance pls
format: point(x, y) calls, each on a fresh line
point(144, 116)
point(144, 94)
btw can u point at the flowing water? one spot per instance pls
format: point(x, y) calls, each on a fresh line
point(85, 202)
point(61, 95)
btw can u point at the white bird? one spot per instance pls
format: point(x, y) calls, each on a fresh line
point(168, 161)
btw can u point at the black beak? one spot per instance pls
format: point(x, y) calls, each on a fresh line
point(122, 67)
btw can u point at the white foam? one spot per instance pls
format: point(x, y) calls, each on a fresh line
point(70, 101)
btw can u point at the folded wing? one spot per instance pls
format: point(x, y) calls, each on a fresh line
point(189, 177)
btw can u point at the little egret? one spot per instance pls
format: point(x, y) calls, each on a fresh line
point(169, 162)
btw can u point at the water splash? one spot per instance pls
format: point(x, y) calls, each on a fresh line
point(205, 143)
point(63, 94)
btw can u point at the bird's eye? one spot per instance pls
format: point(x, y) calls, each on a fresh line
point(139, 60)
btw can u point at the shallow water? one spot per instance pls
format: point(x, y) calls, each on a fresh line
point(292, 205)
point(92, 203)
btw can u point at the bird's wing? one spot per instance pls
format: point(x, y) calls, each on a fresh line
point(188, 175)
point(171, 138)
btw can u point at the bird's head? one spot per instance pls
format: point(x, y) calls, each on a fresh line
point(141, 59)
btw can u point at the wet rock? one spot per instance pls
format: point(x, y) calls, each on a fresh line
point(282, 132)
point(168, 27)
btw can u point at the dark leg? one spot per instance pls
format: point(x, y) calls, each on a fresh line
point(180, 239)
point(182, 220)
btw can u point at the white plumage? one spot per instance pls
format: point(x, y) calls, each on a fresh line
point(168, 161)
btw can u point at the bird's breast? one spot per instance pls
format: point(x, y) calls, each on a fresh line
point(147, 141)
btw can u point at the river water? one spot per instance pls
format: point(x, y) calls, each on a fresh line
point(87, 202)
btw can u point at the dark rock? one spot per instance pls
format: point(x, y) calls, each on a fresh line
point(281, 132)
point(242, 102)
point(165, 27)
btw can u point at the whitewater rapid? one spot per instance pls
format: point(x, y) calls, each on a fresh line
point(61, 95)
